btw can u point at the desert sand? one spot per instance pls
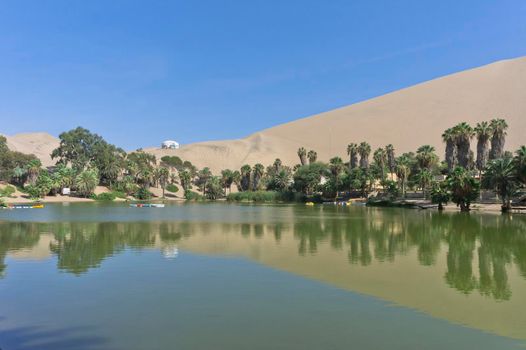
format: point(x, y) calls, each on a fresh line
point(407, 118)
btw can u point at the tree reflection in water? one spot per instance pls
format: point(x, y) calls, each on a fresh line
point(479, 249)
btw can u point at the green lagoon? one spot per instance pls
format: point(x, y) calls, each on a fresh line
point(230, 276)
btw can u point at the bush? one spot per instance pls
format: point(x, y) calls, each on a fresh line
point(193, 196)
point(172, 188)
point(106, 196)
point(264, 196)
point(7, 191)
point(143, 194)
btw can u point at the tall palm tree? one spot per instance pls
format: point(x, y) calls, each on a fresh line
point(425, 177)
point(302, 154)
point(391, 160)
point(257, 174)
point(163, 177)
point(483, 132)
point(498, 138)
point(449, 138)
point(520, 164)
point(277, 164)
point(245, 177)
point(33, 169)
point(313, 156)
point(186, 180)
point(336, 166)
point(227, 178)
point(352, 151)
point(426, 157)
point(500, 174)
point(364, 149)
point(464, 133)
point(380, 158)
point(403, 170)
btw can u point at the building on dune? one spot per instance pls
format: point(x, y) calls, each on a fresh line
point(170, 144)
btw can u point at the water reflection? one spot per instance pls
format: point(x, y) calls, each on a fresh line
point(479, 250)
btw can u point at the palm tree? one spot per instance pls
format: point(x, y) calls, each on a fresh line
point(18, 174)
point(380, 158)
point(483, 132)
point(463, 187)
point(520, 164)
point(391, 160)
point(164, 176)
point(186, 180)
point(352, 151)
point(449, 138)
point(245, 177)
point(302, 154)
point(463, 134)
point(500, 174)
point(425, 177)
point(403, 170)
point(498, 138)
point(257, 174)
point(227, 178)
point(86, 181)
point(236, 178)
point(313, 156)
point(33, 169)
point(277, 164)
point(336, 166)
point(364, 149)
point(426, 157)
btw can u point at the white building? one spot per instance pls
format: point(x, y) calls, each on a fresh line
point(170, 145)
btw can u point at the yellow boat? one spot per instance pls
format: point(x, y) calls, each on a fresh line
point(309, 203)
point(38, 206)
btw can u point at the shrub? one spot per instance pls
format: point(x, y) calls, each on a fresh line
point(106, 196)
point(7, 191)
point(264, 196)
point(143, 194)
point(192, 196)
point(172, 188)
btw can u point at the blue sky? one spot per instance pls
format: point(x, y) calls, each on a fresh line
point(139, 72)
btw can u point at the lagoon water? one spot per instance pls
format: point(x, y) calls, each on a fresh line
point(229, 276)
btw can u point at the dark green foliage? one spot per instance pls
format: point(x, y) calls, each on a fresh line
point(463, 187)
point(307, 178)
point(143, 194)
point(106, 196)
point(7, 191)
point(172, 188)
point(193, 196)
point(440, 194)
point(263, 196)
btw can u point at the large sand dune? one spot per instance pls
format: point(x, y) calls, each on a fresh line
point(40, 144)
point(406, 118)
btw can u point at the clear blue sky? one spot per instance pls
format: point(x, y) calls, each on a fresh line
point(139, 72)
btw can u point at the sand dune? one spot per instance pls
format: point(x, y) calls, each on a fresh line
point(40, 144)
point(407, 118)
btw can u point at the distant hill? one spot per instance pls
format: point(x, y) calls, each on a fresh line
point(407, 118)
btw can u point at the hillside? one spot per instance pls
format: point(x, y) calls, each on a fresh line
point(40, 144)
point(407, 118)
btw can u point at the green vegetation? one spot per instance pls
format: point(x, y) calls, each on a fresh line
point(85, 160)
point(7, 191)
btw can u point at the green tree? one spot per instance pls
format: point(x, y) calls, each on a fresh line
point(463, 134)
point(520, 164)
point(500, 175)
point(426, 157)
point(498, 138)
point(245, 177)
point(439, 194)
point(302, 154)
point(483, 132)
point(364, 149)
point(164, 177)
point(86, 181)
point(214, 189)
point(449, 137)
point(463, 187)
point(257, 174)
point(313, 156)
point(352, 152)
point(391, 159)
point(380, 159)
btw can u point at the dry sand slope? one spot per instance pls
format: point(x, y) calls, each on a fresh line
point(40, 144)
point(406, 118)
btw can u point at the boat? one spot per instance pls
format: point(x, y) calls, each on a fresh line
point(146, 205)
point(26, 206)
point(309, 203)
